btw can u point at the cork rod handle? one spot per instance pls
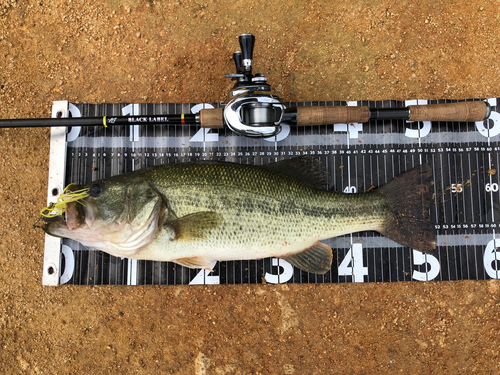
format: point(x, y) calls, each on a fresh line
point(307, 116)
point(460, 112)
point(212, 118)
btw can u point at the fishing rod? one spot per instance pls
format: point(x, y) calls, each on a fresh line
point(253, 112)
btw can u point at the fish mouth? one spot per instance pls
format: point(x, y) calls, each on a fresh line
point(77, 215)
point(75, 212)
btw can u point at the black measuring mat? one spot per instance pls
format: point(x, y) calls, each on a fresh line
point(464, 158)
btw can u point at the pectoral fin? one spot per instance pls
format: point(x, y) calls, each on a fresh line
point(194, 226)
point(196, 262)
point(315, 259)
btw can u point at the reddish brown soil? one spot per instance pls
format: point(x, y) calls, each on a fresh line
point(179, 51)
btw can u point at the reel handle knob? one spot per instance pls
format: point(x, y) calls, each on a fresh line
point(238, 61)
point(247, 42)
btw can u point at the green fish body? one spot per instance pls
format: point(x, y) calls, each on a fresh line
point(197, 213)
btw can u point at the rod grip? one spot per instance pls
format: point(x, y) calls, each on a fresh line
point(212, 118)
point(307, 116)
point(460, 112)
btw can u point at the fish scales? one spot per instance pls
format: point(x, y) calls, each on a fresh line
point(262, 212)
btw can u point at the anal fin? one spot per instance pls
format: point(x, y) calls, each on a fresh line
point(315, 259)
point(195, 262)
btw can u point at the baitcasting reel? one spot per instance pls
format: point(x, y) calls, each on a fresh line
point(251, 110)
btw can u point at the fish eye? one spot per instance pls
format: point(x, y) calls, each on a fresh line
point(95, 190)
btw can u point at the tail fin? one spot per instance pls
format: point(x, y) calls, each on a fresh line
point(409, 196)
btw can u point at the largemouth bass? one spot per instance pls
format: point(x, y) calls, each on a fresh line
point(196, 213)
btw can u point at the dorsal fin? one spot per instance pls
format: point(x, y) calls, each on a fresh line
point(304, 169)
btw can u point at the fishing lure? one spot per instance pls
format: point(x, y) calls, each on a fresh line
point(59, 207)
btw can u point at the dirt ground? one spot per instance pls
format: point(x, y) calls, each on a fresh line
point(178, 51)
